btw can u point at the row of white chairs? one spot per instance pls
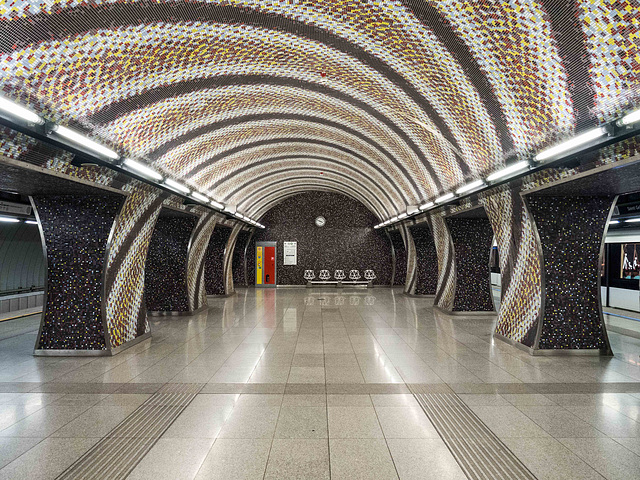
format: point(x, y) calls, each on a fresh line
point(339, 275)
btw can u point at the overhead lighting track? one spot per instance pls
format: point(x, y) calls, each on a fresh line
point(24, 120)
point(594, 139)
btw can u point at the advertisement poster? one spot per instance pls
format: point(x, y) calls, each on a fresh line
point(629, 265)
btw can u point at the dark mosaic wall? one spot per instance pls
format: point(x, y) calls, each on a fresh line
point(165, 284)
point(472, 239)
point(347, 241)
point(238, 258)
point(426, 259)
point(214, 261)
point(76, 231)
point(401, 257)
point(571, 230)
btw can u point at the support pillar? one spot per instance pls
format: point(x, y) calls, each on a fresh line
point(445, 290)
point(214, 261)
point(229, 288)
point(198, 244)
point(426, 271)
point(400, 255)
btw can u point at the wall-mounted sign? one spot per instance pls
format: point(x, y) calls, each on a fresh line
point(290, 253)
point(17, 208)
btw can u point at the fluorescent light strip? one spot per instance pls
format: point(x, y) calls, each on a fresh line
point(142, 169)
point(217, 205)
point(470, 186)
point(9, 220)
point(199, 196)
point(19, 111)
point(614, 222)
point(633, 117)
point(402, 215)
point(176, 186)
point(31, 222)
point(85, 142)
point(632, 220)
point(427, 205)
point(507, 171)
point(444, 198)
point(575, 142)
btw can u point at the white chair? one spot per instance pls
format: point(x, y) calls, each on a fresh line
point(369, 275)
point(354, 275)
point(339, 275)
point(324, 275)
point(309, 275)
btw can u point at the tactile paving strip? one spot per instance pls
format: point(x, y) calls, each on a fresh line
point(117, 454)
point(478, 451)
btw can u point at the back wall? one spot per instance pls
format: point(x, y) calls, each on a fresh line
point(347, 241)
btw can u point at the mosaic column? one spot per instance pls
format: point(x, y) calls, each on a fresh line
point(400, 256)
point(166, 289)
point(410, 249)
point(426, 276)
point(445, 289)
point(229, 288)
point(198, 243)
point(571, 232)
point(214, 279)
point(239, 262)
point(75, 231)
point(472, 239)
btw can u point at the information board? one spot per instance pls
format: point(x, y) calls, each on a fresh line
point(290, 253)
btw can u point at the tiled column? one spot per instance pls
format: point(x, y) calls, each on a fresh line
point(446, 263)
point(166, 289)
point(239, 263)
point(228, 260)
point(75, 231)
point(472, 239)
point(200, 238)
point(410, 249)
point(426, 276)
point(571, 232)
point(400, 255)
point(214, 280)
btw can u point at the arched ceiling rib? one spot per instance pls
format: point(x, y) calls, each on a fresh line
point(420, 95)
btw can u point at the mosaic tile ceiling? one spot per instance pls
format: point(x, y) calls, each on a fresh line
point(390, 102)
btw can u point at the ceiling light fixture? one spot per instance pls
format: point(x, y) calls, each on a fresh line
point(9, 219)
point(85, 142)
point(19, 111)
point(217, 205)
point(614, 222)
point(470, 186)
point(507, 171)
point(31, 222)
point(199, 196)
point(575, 142)
point(427, 205)
point(444, 198)
point(172, 184)
point(632, 220)
point(401, 216)
point(142, 169)
point(630, 118)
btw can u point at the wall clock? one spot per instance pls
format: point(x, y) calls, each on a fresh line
point(320, 221)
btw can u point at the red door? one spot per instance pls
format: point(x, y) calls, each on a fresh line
point(269, 265)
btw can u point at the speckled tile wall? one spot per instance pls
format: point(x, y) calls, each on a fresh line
point(472, 239)
point(76, 230)
point(214, 261)
point(165, 283)
point(571, 231)
point(347, 241)
point(426, 260)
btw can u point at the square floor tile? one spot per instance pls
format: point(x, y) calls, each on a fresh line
point(361, 459)
point(298, 459)
point(236, 459)
point(424, 459)
point(174, 458)
point(353, 422)
point(251, 422)
point(405, 422)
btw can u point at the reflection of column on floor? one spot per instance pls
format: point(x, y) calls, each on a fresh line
point(571, 230)
point(472, 239)
point(214, 261)
point(96, 247)
point(166, 268)
point(426, 271)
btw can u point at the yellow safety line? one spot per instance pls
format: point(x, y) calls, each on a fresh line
point(20, 316)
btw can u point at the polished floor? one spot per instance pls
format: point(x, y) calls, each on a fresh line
point(301, 383)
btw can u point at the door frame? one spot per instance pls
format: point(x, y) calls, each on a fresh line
point(275, 266)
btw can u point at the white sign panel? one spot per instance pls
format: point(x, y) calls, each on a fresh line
point(290, 253)
point(17, 208)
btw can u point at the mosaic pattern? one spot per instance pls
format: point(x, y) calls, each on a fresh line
point(400, 254)
point(198, 244)
point(520, 266)
point(214, 261)
point(446, 280)
point(347, 241)
point(426, 279)
point(472, 239)
point(238, 262)
point(229, 287)
point(125, 308)
point(410, 247)
point(76, 230)
point(165, 283)
point(571, 231)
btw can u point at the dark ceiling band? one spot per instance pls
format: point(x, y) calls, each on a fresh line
point(254, 181)
point(69, 22)
point(268, 160)
point(573, 50)
point(206, 129)
point(315, 183)
point(307, 141)
point(430, 17)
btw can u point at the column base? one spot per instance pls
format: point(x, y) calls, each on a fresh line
point(45, 352)
point(468, 314)
point(177, 314)
point(571, 352)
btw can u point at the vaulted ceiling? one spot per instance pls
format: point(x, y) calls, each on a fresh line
point(390, 102)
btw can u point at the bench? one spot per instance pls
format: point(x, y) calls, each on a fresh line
point(339, 278)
